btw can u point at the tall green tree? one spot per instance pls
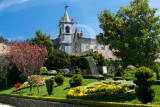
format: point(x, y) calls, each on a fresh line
point(57, 59)
point(132, 34)
point(2, 40)
point(42, 39)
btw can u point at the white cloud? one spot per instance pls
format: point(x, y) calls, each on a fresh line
point(157, 13)
point(9, 3)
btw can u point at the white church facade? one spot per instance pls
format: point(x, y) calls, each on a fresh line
point(72, 41)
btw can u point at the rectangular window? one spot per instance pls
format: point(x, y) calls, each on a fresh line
point(87, 46)
point(95, 46)
point(68, 49)
point(67, 39)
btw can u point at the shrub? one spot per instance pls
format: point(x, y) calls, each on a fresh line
point(129, 72)
point(144, 79)
point(118, 78)
point(77, 70)
point(129, 78)
point(145, 94)
point(76, 80)
point(156, 69)
point(49, 85)
point(9, 74)
point(119, 72)
point(44, 70)
point(100, 69)
point(108, 75)
point(80, 62)
point(59, 79)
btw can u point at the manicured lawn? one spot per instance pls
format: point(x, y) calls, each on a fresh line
point(61, 92)
point(58, 91)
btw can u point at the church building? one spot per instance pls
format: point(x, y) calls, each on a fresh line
point(73, 41)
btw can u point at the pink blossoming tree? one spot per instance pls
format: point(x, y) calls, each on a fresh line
point(35, 80)
point(27, 58)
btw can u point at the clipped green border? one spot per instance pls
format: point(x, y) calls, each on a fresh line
point(78, 101)
point(70, 75)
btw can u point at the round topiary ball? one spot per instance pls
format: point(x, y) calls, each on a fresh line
point(76, 80)
point(144, 77)
point(59, 79)
point(145, 94)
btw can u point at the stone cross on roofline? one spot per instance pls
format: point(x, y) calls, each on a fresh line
point(66, 6)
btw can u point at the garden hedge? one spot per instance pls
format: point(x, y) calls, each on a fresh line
point(84, 76)
point(78, 101)
point(124, 78)
point(157, 82)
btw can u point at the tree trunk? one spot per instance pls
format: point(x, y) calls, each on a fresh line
point(38, 89)
point(31, 87)
point(6, 82)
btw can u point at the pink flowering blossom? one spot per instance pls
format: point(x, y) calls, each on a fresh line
point(27, 58)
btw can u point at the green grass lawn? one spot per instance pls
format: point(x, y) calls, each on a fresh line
point(58, 91)
point(61, 92)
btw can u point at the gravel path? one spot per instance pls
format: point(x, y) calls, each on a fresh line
point(6, 105)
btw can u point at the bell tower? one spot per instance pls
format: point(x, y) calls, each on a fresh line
point(66, 32)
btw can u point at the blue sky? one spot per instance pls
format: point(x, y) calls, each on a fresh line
point(19, 19)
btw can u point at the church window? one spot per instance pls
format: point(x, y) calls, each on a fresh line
point(60, 31)
point(68, 49)
point(102, 47)
point(87, 46)
point(67, 29)
point(95, 46)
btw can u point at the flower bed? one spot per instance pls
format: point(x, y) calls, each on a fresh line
point(26, 85)
point(101, 89)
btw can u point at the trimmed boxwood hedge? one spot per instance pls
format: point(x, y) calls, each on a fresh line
point(157, 82)
point(84, 76)
point(124, 78)
point(78, 101)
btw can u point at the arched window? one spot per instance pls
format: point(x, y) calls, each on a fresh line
point(67, 29)
point(95, 46)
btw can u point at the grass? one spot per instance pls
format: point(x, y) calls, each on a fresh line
point(61, 92)
point(58, 91)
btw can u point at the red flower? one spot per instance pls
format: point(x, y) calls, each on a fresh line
point(17, 85)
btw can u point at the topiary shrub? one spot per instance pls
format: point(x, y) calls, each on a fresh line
point(145, 92)
point(49, 85)
point(76, 80)
point(44, 70)
point(77, 70)
point(59, 79)
point(144, 77)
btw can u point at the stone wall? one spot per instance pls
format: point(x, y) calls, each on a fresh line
point(105, 51)
point(3, 49)
point(20, 102)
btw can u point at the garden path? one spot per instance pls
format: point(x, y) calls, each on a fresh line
point(6, 105)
